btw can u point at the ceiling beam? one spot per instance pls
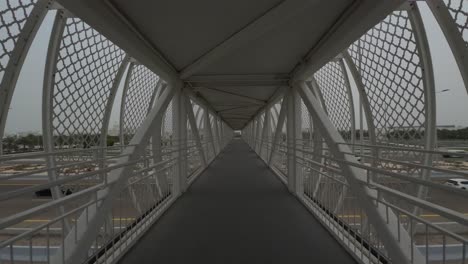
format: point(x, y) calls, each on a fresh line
point(242, 97)
point(200, 100)
point(237, 118)
point(238, 77)
point(235, 115)
point(106, 19)
point(277, 15)
point(248, 84)
point(239, 80)
point(352, 23)
point(237, 108)
point(279, 93)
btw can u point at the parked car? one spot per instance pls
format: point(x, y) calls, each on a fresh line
point(48, 192)
point(458, 183)
point(454, 153)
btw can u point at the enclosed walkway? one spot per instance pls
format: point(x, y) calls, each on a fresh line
point(237, 211)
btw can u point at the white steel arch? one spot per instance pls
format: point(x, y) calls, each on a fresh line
point(178, 113)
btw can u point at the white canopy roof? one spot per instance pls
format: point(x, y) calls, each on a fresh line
point(234, 54)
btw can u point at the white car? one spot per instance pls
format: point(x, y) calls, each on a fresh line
point(458, 183)
point(454, 153)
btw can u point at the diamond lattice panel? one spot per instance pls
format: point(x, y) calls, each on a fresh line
point(392, 77)
point(459, 11)
point(13, 16)
point(137, 99)
point(388, 61)
point(332, 83)
point(86, 69)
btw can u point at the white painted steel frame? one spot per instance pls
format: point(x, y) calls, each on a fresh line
point(17, 57)
point(294, 137)
point(430, 133)
point(452, 34)
point(193, 125)
point(355, 177)
point(278, 130)
point(256, 131)
point(82, 234)
point(47, 101)
point(78, 241)
point(180, 132)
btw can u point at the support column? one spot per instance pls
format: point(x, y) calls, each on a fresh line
point(180, 133)
point(258, 134)
point(48, 105)
point(196, 134)
point(78, 241)
point(216, 134)
point(279, 129)
point(208, 132)
point(252, 133)
point(265, 135)
point(293, 127)
point(395, 240)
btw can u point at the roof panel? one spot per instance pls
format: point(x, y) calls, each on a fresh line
point(280, 50)
point(184, 30)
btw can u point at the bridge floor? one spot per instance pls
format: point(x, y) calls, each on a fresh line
point(237, 211)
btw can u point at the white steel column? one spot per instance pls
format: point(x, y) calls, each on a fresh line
point(363, 97)
point(265, 134)
point(258, 134)
point(109, 106)
point(252, 133)
point(216, 133)
point(351, 103)
point(156, 145)
point(430, 133)
point(294, 136)
point(47, 102)
point(386, 223)
point(122, 103)
point(209, 132)
point(279, 129)
point(77, 242)
point(196, 134)
point(180, 132)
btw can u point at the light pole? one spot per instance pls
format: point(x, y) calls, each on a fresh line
point(437, 140)
point(442, 91)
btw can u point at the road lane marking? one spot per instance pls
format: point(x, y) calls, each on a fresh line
point(423, 215)
point(18, 184)
point(48, 220)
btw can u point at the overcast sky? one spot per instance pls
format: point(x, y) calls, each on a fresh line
point(25, 112)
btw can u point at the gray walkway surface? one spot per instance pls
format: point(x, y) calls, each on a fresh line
point(237, 212)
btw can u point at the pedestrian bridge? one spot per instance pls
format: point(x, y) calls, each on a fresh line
point(238, 211)
point(272, 131)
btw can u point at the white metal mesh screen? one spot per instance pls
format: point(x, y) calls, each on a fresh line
point(337, 98)
point(137, 100)
point(390, 66)
point(459, 11)
point(13, 16)
point(86, 68)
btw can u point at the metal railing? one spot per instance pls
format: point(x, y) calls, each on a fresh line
point(436, 227)
point(34, 226)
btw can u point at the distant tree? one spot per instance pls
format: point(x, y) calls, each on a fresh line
point(111, 140)
point(9, 144)
point(30, 140)
point(365, 134)
point(458, 134)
